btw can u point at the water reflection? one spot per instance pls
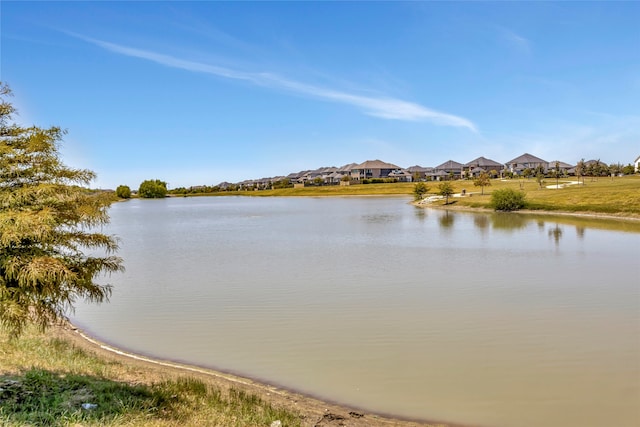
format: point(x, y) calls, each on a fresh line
point(447, 220)
point(481, 221)
point(421, 213)
point(508, 221)
point(515, 222)
point(556, 234)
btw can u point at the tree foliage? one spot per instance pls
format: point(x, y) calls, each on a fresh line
point(483, 180)
point(419, 190)
point(45, 221)
point(581, 170)
point(628, 170)
point(508, 199)
point(123, 191)
point(445, 189)
point(152, 189)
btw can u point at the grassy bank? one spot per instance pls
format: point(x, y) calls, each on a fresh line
point(47, 380)
point(617, 196)
point(62, 379)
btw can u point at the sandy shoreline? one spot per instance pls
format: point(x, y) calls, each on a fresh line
point(315, 412)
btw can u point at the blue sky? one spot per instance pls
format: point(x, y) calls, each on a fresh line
point(202, 92)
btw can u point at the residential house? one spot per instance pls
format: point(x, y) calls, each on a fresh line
point(372, 169)
point(419, 172)
point(481, 164)
point(346, 169)
point(342, 172)
point(401, 175)
point(437, 175)
point(334, 178)
point(526, 161)
point(224, 185)
point(563, 168)
point(450, 168)
point(636, 164)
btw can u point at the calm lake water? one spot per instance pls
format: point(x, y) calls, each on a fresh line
point(485, 319)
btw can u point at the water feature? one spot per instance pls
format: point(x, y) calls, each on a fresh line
point(486, 319)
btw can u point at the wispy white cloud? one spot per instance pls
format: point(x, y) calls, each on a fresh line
point(515, 40)
point(383, 107)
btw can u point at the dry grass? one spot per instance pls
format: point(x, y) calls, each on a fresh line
point(617, 196)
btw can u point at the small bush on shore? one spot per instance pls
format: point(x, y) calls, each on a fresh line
point(508, 199)
point(419, 190)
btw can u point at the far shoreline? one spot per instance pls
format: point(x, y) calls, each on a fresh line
point(450, 206)
point(576, 214)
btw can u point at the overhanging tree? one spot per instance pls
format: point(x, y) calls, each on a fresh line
point(46, 218)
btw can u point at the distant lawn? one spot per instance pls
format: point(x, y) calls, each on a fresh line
point(398, 188)
point(617, 196)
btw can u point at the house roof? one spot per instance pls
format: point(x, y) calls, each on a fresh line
point(527, 158)
point(336, 174)
point(449, 164)
point(562, 165)
point(347, 168)
point(483, 162)
point(376, 164)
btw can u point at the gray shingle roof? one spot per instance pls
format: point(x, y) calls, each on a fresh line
point(376, 164)
point(449, 165)
point(483, 162)
point(562, 165)
point(527, 158)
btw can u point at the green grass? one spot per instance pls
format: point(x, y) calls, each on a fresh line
point(45, 381)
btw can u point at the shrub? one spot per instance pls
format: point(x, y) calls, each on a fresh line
point(152, 189)
point(123, 191)
point(419, 190)
point(508, 199)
